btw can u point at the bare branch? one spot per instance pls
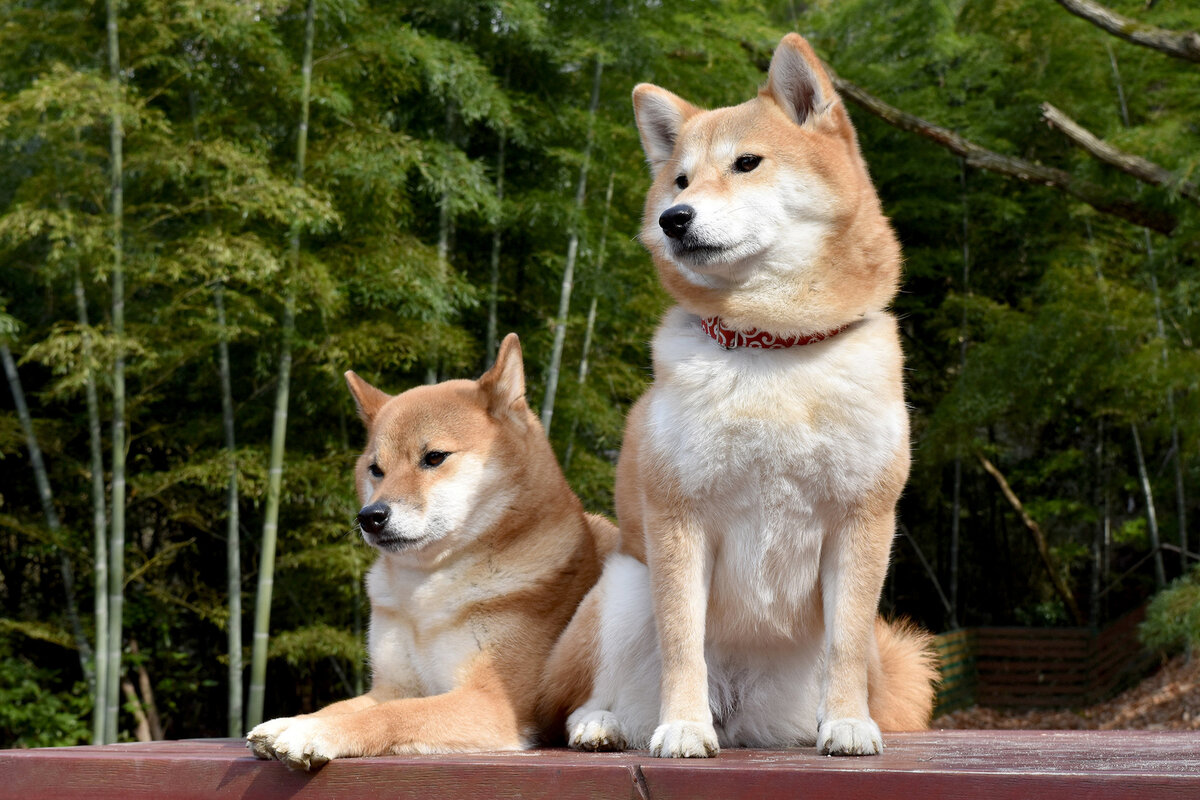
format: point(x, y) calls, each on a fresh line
point(1039, 539)
point(1141, 168)
point(1185, 44)
point(982, 158)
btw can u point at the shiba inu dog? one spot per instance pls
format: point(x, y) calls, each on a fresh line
point(758, 478)
point(484, 553)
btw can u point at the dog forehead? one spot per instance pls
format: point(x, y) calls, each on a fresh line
point(454, 409)
point(721, 135)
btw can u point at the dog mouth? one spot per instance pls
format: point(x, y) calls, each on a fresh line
point(393, 543)
point(693, 250)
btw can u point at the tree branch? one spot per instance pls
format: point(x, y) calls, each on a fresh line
point(1039, 538)
point(1185, 44)
point(981, 158)
point(1141, 168)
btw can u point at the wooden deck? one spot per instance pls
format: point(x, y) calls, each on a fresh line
point(1063, 765)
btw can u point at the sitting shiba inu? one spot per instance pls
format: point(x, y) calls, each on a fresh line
point(758, 479)
point(484, 553)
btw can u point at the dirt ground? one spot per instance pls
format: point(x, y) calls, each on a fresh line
point(1167, 700)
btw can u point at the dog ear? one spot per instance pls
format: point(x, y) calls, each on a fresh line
point(368, 399)
point(798, 82)
point(504, 383)
point(659, 114)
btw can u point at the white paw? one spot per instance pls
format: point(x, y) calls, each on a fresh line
point(684, 740)
point(594, 730)
point(305, 744)
point(262, 738)
point(849, 737)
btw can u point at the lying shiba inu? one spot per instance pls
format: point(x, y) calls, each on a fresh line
point(758, 479)
point(484, 553)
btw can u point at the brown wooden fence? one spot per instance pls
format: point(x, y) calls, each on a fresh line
point(1039, 667)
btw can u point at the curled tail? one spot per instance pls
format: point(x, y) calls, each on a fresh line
point(902, 682)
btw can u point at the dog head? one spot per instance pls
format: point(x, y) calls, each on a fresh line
point(442, 463)
point(764, 213)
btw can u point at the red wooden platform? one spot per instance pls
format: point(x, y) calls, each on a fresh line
point(1063, 765)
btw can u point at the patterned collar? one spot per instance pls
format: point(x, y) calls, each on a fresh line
point(731, 338)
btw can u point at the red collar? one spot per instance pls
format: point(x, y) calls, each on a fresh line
point(731, 338)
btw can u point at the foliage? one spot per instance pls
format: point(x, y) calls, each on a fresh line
point(1044, 357)
point(1173, 617)
point(35, 711)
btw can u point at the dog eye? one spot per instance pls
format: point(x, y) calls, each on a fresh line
point(375, 471)
point(433, 458)
point(682, 182)
point(746, 163)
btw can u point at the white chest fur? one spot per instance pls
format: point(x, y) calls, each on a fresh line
point(418, 642)
point(772, 448)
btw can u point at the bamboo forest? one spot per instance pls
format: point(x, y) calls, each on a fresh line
point(212, 209)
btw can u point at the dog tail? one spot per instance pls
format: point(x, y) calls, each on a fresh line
point(903, 681)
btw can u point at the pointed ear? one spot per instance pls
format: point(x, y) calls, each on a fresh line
point(504, 383)
point(659, 114)
point(368, 399)
point(798, 82)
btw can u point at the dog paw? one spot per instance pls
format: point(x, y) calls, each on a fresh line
point(261, 740)
point(849, 737)
point(305, 745)
point(595, 731)
point(684, 740)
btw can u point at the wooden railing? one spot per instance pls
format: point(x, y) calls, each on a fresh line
point(1039, 667)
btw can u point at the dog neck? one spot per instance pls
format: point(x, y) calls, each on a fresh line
point(731, 338)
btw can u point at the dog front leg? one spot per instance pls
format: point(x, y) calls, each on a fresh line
point(853, 568)
point(261, 740)
point(680, 570)
point(462, 720)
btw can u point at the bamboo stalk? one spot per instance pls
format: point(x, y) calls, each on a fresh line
point(99, 519)
point(590, 326)
point(955, 521)
point(233, 557)
point(266, 569)
point(494, 282)
point(52, 520)
point(116, 549)
point(1160, 575)
point(568, 280)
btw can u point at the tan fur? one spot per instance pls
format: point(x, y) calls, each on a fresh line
point(461, 624)
point(834, 262)
point(903, 678)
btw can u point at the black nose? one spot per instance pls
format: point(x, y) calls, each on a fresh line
point(373, 518)
point(676, 219)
